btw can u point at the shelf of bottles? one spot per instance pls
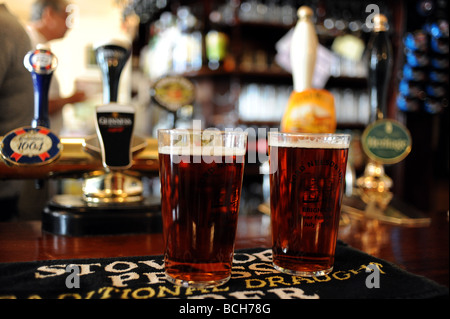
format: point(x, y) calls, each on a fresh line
point(424, 80)
point(187, 43)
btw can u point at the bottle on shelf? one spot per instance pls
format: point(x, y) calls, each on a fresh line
point(216, 48)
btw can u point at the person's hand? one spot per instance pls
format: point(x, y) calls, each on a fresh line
point(78, 96)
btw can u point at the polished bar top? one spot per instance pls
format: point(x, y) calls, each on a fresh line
point(420, 250)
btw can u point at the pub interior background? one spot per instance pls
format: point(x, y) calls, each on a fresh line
point(242, 82)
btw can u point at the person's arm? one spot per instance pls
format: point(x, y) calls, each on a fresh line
point(56, 104)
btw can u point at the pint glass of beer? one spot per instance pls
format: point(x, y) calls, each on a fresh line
point(307, 177)
point(201, 177)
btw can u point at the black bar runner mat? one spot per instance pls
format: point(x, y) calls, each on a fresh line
point(356, 275)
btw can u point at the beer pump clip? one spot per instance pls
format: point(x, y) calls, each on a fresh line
point(36, 144)
point(175, 94)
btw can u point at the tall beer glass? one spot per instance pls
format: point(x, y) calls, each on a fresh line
point(307, 173)
point(201, 177)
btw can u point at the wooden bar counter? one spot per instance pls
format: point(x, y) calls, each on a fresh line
point(419, 250)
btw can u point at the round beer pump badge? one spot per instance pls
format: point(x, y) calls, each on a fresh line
point(30, 146)
point(173, 92)
point(41, 60)
point(386, 141)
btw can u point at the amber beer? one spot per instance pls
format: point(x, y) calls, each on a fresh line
point(200, 195)
point(306, 186)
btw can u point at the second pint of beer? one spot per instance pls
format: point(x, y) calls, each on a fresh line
point(307, 177)
point(200, 194)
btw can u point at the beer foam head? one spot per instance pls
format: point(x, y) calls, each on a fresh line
point(202, 143)
point(201, 150)
point(302, 140)
point(114, 107)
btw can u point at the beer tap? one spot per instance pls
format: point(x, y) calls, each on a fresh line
point(380, 137)
point(35, 145)
point(111, 162)
point(375, 185)
point(112, 200)
point(114, 125)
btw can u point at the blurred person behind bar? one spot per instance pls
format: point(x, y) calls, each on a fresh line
point(16, 97)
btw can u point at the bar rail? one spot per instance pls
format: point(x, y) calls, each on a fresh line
point(420, 250)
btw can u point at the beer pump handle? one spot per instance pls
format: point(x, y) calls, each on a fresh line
point(380, 68)
point(303, 50)
point(308, 109)
point(111, 57)
point(114, 122)
point(41, 63)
